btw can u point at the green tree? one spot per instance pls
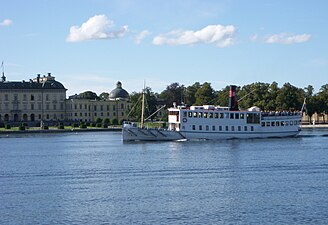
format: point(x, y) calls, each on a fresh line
point(173, 93)
point(323, 101)
point(290, 97)
point(190, 91)
point(88, 95)
point(222, 96)
point(205, 94)
point(104, 96)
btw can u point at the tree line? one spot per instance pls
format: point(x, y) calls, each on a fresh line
point(268, 97)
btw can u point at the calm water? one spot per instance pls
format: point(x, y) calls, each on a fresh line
point(93, 178)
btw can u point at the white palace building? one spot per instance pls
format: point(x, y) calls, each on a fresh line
point(44, 99)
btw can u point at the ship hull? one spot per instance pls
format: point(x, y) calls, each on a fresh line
point(143, 134)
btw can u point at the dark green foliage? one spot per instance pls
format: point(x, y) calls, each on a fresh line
point(114, 121)
point(21, 127)
point(7, 126)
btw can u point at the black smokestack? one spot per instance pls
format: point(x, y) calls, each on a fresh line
point(233, 104)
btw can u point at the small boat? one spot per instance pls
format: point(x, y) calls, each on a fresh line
point(209, 122)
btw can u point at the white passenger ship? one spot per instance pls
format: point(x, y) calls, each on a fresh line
point(210, 122)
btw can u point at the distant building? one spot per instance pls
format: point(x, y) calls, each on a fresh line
point(44, 99)
point(41, 98)
point(80, 108)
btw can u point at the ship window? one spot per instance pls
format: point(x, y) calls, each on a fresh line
point(189, 114)
point(184, 114)
point(286, 123)
point(220, 128)
point(295, 122)
point(200, 115)
point(263, 124)
point(200, 127)
point(193, 127)
point(207, 127)
point(252, 128)
point(245, 128)
point(221, 115)
point(211, 115)
point(213, 128)
point(268, 124)
point(195, 114)
point(227, 128)
point(277, 123)
point(253, 118)
point(232, 115)
point(205, 114)
point(226, 115)
point(242, 115)
point(216, 115)
point(236, 116)
point(273, 124)
point(239, 128)
point(282, 123)
point(232, 128)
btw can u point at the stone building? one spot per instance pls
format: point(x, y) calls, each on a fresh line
point(39, 99)
point(116, 106)
point(44, 99)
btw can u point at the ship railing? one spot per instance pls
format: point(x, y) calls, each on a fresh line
point(280, 115)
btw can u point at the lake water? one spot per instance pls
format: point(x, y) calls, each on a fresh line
point(94, 178)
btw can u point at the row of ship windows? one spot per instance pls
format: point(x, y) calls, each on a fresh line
point(216, 115)
point(279, 123)
point(225, 128)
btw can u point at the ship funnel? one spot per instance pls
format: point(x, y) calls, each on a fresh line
point(233, 103)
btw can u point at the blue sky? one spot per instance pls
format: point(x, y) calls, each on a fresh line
point(91, 44)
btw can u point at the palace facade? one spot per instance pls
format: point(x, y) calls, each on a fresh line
point(44, 99)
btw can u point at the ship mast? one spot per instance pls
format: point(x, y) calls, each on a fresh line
point(143, 106)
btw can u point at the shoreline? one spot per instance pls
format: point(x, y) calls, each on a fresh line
point(111, 129)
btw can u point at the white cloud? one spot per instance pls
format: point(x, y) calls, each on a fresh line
point(97, 27)
point(287, 38)
point(221, 36)
point(140, 36)
point(6, 22)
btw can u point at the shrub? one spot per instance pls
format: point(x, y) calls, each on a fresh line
point(98, 125)
point(45, 127)
point(75, 125)
point(21, 127)
point(83, 126)
point(114, 121)
point(7, 126)
point(106, 121)
point(105, 125)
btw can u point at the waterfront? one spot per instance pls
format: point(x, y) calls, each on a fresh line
point(94, 178)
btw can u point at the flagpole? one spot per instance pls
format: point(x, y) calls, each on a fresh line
point(304, 103)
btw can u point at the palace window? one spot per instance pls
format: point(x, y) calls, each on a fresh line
point(213, 128)
point(193, 127)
